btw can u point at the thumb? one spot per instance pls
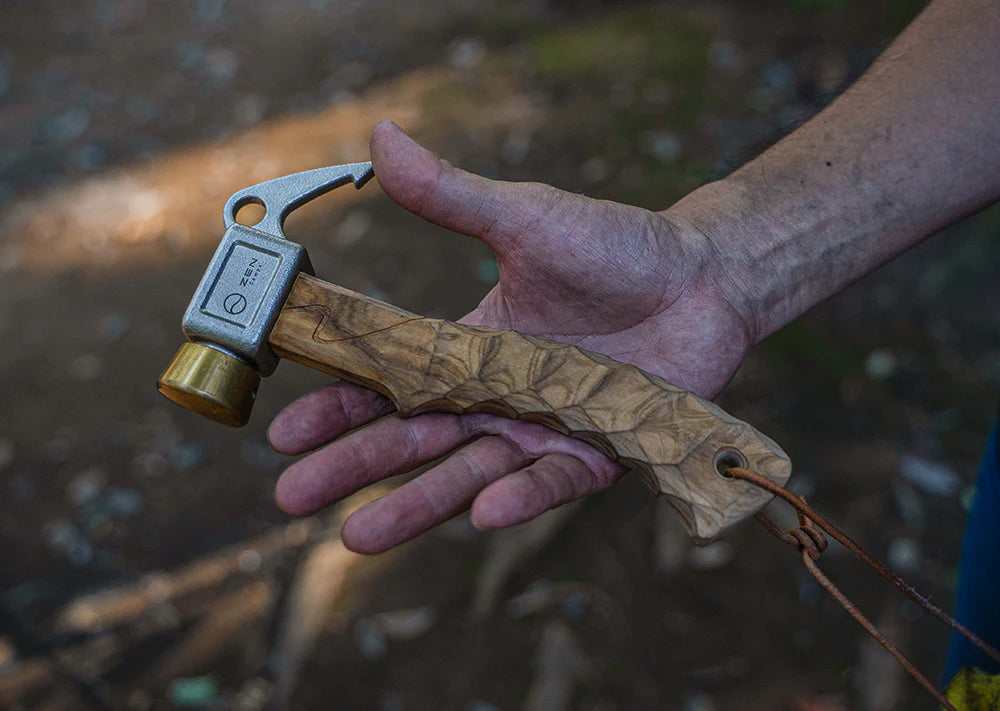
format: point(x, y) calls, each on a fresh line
point(491, 210)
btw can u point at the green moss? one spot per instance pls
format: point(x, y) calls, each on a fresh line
point(798, 342)
point(498, 26)
point(818, 4)
point(666, 43)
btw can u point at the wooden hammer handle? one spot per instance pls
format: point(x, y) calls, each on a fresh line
point(672, 437)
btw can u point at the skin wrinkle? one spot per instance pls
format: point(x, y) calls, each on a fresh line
point(412, 444)
point(421, 487)
point(724, 286)
point(542, 484)
point(430, 187)
point(661, 303)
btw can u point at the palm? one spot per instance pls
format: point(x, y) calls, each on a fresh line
point(608, 277)
point(619, 280)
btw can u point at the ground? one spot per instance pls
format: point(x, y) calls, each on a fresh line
point(145, 563)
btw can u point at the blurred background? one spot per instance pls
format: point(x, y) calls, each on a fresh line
point(144, 563)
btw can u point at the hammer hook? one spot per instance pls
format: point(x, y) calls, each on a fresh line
point(282, 195)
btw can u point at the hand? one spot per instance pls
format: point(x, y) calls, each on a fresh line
point(639, 286)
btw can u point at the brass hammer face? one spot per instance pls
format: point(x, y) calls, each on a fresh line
point(240, 296)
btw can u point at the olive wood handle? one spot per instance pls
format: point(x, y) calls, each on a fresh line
point(672, 437)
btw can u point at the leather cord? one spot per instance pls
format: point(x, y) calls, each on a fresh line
point(809, 539)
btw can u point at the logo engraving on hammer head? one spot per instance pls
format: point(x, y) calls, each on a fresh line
point(235, 303)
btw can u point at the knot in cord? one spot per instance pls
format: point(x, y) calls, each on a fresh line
point(808, 538)
point(810, 541)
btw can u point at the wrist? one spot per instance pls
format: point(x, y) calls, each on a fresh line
point(715, 215)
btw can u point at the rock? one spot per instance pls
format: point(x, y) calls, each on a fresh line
point(86, 486)
point(249, 561)
point(248, 110)
point(466, 53)
point(595, 170)
point(697, 702)
point(66, 126)
point(193, 693)
point(778, 75)
point(662, 145)
point(711, 557)
point(222, 65)
point(252, 696)
point(352, 228)
point(880, 364)
point(150, 464)
point(114, 326)
point(537, 598)
point(904, 555)
point(406, 624)
point(930, 477)
point(967, 496)
point(372, 634)
point(516, 148)
point(66, 539)
point(121, 503)
point(370, 640)
point(187, 456)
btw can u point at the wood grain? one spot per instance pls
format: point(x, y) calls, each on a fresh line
point(670, 436)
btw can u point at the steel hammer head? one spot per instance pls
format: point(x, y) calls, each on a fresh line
point(238, 301)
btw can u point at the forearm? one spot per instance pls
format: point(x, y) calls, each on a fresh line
point(910, 147)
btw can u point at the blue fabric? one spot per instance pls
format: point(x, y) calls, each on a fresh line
point(977, 598)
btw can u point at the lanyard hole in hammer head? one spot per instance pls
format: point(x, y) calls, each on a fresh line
point(249, 211)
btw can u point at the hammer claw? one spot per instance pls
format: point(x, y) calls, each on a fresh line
point(282, 195)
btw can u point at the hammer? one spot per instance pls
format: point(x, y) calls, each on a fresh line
point(259, 301)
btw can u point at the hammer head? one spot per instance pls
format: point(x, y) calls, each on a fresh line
point(240, 297)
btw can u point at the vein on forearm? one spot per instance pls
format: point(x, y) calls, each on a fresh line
point(911, 147)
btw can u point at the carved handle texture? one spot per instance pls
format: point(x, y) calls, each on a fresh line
point(669, 435)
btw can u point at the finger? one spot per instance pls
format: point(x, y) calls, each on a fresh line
point(553, 480)
point(323, 415)
point(433, 497)
point(386, 448)
point(491, 210)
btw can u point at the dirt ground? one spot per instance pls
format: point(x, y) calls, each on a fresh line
point(145, 565)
